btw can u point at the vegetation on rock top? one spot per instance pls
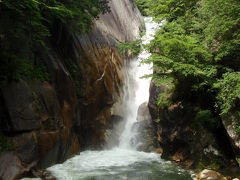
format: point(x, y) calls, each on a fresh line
point(198, 47)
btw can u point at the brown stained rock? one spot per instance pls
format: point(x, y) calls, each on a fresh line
point(67, 115)
point(101, 68)
point(55, 147)
point(50, 110)
point(25, 146)
point(75, 147)
point(69, 143)
point(178, 156)
point(158, 150)
point(48, 141)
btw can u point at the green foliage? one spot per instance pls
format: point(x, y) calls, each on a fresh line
point(171, 9)
point(27, 69)
point(198, 47)
point(237, 122)
point(132, 48)
point(35, 96)
point(23, 68)
point(238, 160)
point(74, 71)
point(228, 97)
point(25, 25)
point(164, 99)
point(237, 128)
point(207, 119)
point(158, 120)
point(144, 6)
point(211, 162)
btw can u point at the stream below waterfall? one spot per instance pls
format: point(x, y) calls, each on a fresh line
point(124, 161)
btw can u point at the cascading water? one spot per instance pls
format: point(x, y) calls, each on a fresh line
point(123, 161)
point(138, 89)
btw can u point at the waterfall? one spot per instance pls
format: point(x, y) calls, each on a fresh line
point(124, 161)
point(137, 88)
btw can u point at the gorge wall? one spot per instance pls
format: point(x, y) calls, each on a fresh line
point(43, 123)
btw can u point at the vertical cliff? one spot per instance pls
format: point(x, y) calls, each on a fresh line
point(43, 123)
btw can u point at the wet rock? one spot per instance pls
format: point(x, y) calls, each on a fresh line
point(144, 130)
point(56, 146)
point(37, 174)
point(210, 175)
point(25, 146)
point(115, 119)
point(143, 113)
point(11, 167)
point(154, 93)
point(230, 123)
point(114, 130)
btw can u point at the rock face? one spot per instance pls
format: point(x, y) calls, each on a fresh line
point(183, 140)
point(145, 134)
point(231, 123)
point(114, 130)
point(11, 166)
point(47, 122)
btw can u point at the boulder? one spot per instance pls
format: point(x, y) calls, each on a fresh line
point(25, 146)
point(114, 130)
point(207, 174)
point(230, 123)
point(11, 167)
point(145, 138)
point(143, 113)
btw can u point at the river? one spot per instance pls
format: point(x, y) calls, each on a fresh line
point(124, 162)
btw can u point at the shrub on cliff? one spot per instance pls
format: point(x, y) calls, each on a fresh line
point(130, 49)
point(199, 48)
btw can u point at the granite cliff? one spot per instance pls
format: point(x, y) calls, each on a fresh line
point(43, 123)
